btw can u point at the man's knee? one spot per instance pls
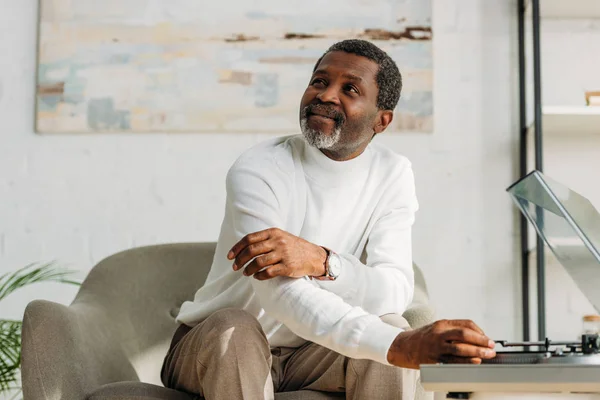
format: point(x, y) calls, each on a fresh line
point(234, 323)
point(224, 333)
point(226, 338)
point(231, 317)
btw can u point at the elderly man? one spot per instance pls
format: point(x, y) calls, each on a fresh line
point(314, 250)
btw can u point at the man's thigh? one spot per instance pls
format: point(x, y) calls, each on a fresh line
point(206, 359)
point(313, 367)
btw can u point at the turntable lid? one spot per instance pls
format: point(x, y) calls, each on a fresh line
point(568, 223)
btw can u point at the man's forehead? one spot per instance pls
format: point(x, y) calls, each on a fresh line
point(351, 66)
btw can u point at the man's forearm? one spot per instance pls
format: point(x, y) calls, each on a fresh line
point(381, 289)
point(378, 290)
point(324, 318)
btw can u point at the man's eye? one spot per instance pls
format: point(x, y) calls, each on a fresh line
point(317, 81)
point(352, 89)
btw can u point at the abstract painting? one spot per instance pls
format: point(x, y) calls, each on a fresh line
point(213, 66)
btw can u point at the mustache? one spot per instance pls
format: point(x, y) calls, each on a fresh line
point(323, 109)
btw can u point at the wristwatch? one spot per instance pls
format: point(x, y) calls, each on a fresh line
point(333, 266)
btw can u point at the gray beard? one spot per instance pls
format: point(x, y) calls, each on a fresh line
point(317, 138)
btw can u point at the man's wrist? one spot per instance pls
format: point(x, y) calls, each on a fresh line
point(320, 269)
point(396, 353)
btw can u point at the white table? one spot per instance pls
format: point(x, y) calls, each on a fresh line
point(523, 382)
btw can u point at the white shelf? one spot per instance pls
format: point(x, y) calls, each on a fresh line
point(567, 9)
point(570, 121)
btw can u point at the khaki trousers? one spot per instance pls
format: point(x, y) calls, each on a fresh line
point(227, 356)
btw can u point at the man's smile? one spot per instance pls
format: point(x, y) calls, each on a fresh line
point(320, 117)
point(316, 113)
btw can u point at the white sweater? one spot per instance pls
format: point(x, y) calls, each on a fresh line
point(362, 209)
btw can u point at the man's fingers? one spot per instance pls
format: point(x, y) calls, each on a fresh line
point(468, 351)
point(261, 262)
point(466, 335)
point(467, 323)
point(271, 272)
point(249, 252)
point(247, 240)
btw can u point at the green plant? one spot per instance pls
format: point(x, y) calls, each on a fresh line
point(10, 330)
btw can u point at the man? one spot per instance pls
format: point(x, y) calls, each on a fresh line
point(315, 254)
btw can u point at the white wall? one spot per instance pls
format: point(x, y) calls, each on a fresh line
point(77, 199)
point(570, 59)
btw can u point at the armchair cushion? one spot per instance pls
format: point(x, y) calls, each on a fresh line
point(146, 391)
point(137, 391)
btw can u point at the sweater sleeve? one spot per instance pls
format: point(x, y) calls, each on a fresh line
point(315, 314)
point(386, 283)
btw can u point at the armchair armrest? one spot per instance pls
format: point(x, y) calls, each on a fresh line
point(65, 354)
point(419, 312)
point(419, 315)
point(50, 343)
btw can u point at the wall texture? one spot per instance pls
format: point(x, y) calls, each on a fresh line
point(77, 199)
point(571, 55)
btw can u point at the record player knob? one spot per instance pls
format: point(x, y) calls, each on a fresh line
point(590, 343)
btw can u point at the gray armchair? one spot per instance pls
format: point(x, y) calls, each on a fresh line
point(111, 341)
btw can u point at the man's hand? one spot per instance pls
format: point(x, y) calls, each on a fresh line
point(447, 341)
point(277, 253)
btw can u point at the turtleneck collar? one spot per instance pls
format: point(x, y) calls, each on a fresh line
point(325, 171)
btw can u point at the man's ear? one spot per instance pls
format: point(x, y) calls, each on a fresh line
point(384, 118)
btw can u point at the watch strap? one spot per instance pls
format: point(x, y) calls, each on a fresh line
point(327, 276)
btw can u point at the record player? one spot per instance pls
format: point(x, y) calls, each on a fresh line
point(570, 226)
point(583, 352)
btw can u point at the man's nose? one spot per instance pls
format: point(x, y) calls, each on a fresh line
point(329, 95)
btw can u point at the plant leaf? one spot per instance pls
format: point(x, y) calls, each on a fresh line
point(10, 353)
point(33, 273)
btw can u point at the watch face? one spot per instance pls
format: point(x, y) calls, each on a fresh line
point(335, 265)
